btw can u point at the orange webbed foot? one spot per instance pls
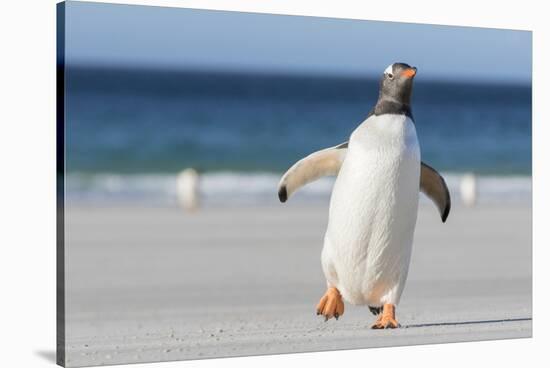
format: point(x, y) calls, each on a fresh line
point(386, 319)
point(331, 304)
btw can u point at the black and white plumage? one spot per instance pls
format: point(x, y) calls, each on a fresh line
point(374, 202)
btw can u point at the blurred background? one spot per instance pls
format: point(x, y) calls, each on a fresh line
point(151, 91)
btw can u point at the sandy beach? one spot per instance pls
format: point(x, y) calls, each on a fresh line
point(154, 283)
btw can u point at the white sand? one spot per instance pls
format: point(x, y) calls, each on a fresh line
point(152, 284)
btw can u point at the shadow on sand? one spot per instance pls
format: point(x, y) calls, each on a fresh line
point(468, 322)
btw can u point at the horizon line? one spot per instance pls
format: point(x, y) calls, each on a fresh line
point(284, 72)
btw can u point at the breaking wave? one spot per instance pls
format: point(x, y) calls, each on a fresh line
point(219, 188)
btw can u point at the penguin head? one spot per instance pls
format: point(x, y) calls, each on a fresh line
point(396, 83)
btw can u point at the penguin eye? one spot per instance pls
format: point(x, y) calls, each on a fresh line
point(390, 75)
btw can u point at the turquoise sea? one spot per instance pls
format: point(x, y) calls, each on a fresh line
point(130, 131)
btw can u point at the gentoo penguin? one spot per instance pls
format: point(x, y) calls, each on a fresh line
point(374, 203)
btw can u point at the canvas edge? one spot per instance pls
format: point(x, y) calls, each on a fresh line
point(60, 184)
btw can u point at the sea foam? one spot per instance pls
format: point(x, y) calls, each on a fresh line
point(232, 188)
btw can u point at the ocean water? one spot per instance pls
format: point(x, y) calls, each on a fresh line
point(130, 131)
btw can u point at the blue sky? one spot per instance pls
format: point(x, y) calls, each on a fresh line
point(144, 36)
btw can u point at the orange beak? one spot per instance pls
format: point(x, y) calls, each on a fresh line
point(409, 73)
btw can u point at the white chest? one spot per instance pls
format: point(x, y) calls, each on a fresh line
point(394, 134)
point(383, 162)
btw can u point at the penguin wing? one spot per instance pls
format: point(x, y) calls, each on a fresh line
point(433, 185)
point(321, 163)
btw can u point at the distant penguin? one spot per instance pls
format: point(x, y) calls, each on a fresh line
point(188, 189)
point(468, 189)
point(374, 203)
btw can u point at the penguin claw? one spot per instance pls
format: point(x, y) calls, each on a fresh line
point(385, 325)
